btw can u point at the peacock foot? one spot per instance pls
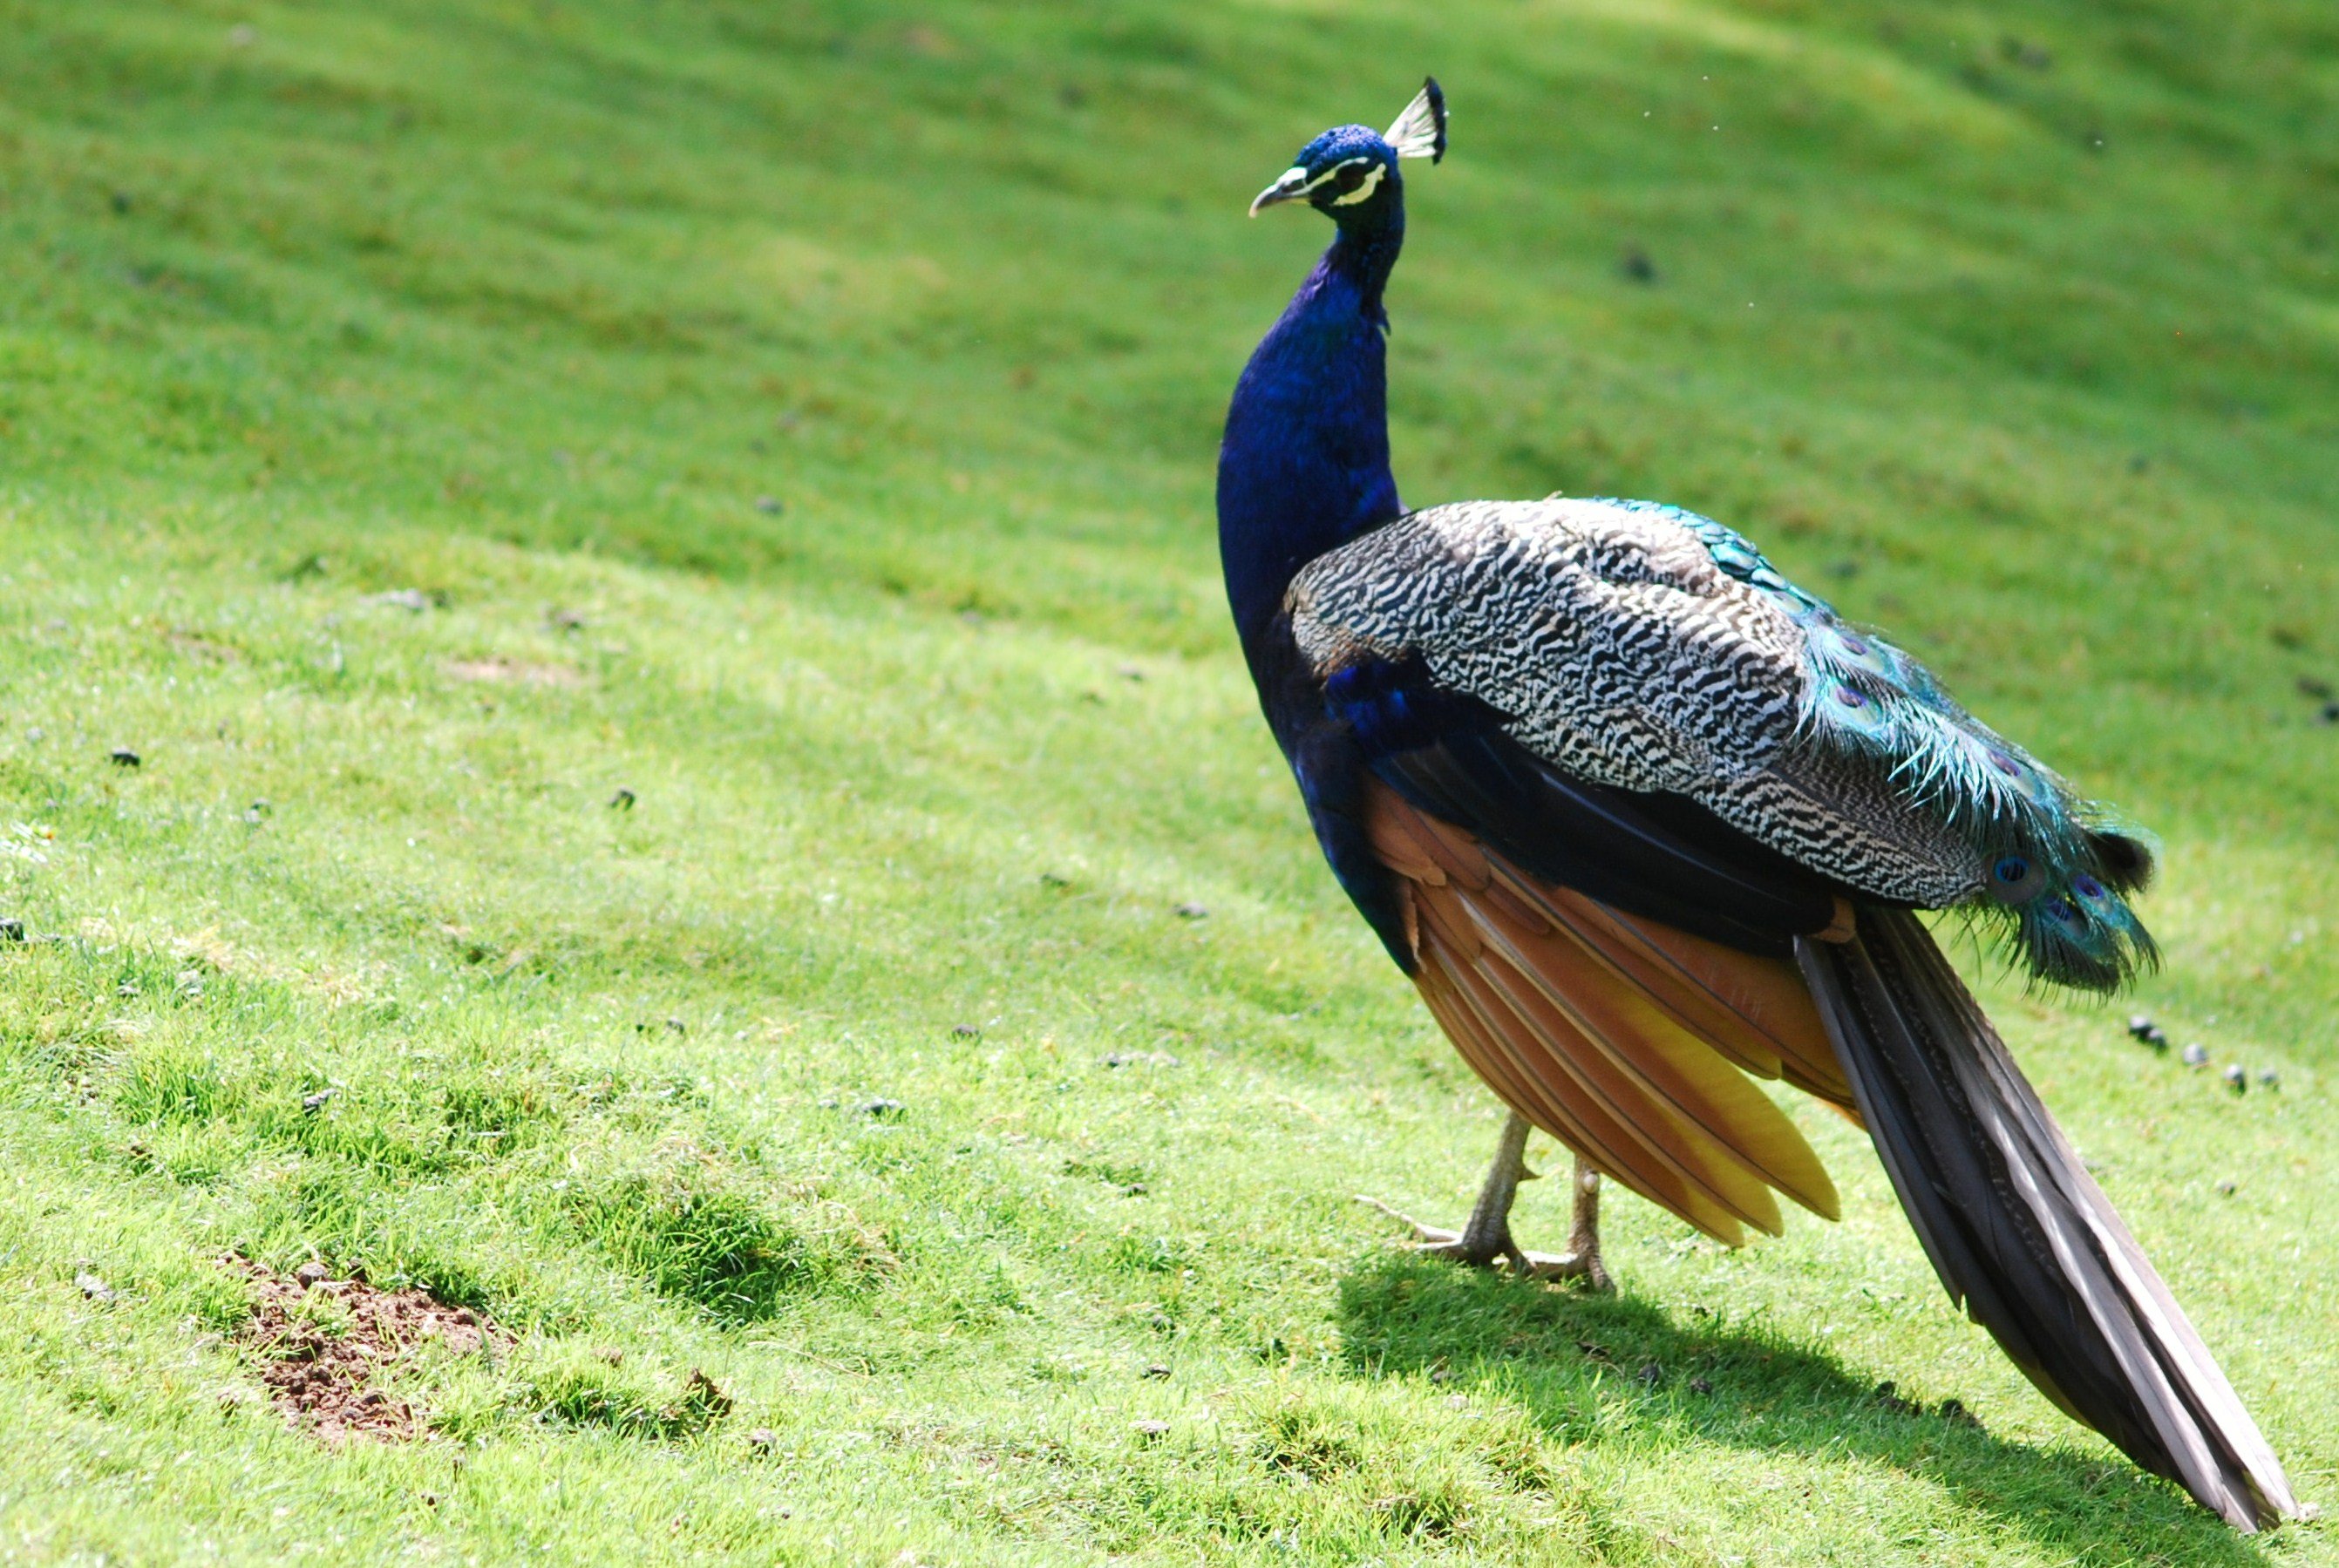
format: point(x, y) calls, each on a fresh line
point(1487, 1249)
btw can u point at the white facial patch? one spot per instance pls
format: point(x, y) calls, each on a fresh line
point(1372, 182)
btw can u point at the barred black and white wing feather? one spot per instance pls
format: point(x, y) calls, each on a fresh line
point(1649, 649)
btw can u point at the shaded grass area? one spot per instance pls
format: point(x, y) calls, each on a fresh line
point(655, 563)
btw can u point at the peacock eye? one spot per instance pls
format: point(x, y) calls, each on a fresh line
point(1350, 178)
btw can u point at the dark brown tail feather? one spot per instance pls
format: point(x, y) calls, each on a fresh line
point(2017, 1230)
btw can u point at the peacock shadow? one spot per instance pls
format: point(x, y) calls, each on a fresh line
point(1587, 1365)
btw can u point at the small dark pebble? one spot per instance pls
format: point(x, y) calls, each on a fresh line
point(123, 757)
point(1156, 1370)
point(312, 1274)
point(884, 1109)
point(1636, 265)
point(1700, 1386)
point(2196, 1055)
point(2237, 1079)
point(966, 1031)
point(1650, 1374)
point(11, 930)
point(1887, 1394)
point(1192, 911)
point(313, 1103)
point(623, 800)
point(2228, 1188)
point(1956, 1415)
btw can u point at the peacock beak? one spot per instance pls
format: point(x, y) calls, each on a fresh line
point(1292, 186)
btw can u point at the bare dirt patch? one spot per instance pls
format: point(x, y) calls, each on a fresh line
point(514, 671)
point(325, 1341)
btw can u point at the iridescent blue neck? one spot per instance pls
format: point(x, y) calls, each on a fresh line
point(1304, 466)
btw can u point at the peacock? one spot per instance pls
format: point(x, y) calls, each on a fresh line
point(1644, 822)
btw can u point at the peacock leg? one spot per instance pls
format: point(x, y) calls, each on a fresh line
point(1484, 1238)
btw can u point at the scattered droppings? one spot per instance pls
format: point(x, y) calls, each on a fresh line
point(1149, 1431)
point(313, 1103)
point(883, 1109)
point(2228, 1188)
point(1700, 1386)
point(2141, 1027)
point(123, 757)
point(2196, 1055)
point(1636, 266)
point(1054, 879)
point(1650, 1374)
point(1139, 1058)
point(320, 1379)
point(2238, 1078)
point(2268, 1077)
point(966, 1031)
point(414, 601)
point(95, 1288)
point(1887, 1394)
point(623, 799)
point(675, 1026)
point(762, 1443)
point(709, 1395)
point(1193, 911)
point(1156, 1370)
point(258, 812)
point(1955, 1413)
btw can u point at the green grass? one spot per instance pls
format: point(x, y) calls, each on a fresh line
point(2013, 327)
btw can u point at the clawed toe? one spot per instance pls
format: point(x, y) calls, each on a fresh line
point(1486, 1252)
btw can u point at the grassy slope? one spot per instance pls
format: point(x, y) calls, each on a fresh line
point(525, 304)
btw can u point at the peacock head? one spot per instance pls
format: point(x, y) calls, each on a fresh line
point(1349, 173)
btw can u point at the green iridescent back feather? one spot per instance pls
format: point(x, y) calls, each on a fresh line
point(2059, 865)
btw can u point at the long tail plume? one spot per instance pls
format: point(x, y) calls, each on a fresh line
point(2018, 1231)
